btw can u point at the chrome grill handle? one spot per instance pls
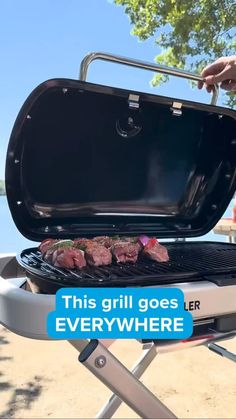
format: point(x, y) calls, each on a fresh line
point(88, 59)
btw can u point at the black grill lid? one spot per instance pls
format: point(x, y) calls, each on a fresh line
point(86, 159)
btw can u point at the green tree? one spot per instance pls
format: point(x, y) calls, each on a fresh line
point(2, 187)
point(190, 33)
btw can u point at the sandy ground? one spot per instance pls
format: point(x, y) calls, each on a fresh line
point(44, 379)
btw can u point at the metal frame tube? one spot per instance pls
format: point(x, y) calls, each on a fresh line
point(163, 347)
point(148, 354)
point(222, 351)
point(108, 369)
point(88, 59)
point(79, 344)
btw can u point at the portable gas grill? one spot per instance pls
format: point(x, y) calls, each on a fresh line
point(87, 160)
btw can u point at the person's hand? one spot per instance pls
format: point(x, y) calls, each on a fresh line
point(221, 71)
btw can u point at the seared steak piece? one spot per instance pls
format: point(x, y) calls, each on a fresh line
point(125, 251)
point(104, 241)
point(130, 239)
point(54, 245)
point(81, 243)
point(68, 258)
point(46, 244)
point(155, 251)
point(48, 255)
point(133, 240)
point(97, 255)
point(63, 254)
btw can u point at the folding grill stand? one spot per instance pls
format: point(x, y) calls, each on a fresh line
point(25, 313)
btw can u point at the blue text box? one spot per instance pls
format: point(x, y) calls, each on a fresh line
point(119, 313)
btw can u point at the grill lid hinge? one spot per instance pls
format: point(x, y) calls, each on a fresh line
point(133, 101)
point(176, 108)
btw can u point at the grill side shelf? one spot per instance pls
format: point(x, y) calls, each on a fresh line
point(222, 280)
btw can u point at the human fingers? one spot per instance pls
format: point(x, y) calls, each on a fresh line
point(229, 85)
point(220, 77)
point(214, 68)
point(209, 88)
point(211, 69)
point(200, 84)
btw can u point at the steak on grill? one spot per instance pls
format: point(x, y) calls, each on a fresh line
point(62, 253)
point(46, 244)
point(125, 251)
point(48, 247)
point(68, 258)
point(96, 254)
point(100, 251)
point(104, 241)
point(155, 251)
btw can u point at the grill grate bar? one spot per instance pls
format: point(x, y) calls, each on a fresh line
point(45, 264)
point(75, 274)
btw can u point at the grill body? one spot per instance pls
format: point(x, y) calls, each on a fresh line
point(86, 160)
point(204, 271)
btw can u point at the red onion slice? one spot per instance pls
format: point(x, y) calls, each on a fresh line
point(144, 239)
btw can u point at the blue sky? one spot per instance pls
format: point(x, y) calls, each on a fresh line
point(43, 39)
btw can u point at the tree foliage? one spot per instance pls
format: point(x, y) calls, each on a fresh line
point(190, 33)
point(2, 187)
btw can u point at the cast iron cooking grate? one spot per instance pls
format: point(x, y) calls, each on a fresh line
point(188, 261)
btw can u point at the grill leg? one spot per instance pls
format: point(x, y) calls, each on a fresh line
point(222, 351)
point(148, 354)
point(79, 344)
point(106, 367)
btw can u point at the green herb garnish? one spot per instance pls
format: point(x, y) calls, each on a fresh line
point(80, 246)
point(115, 237)
point(63, 244)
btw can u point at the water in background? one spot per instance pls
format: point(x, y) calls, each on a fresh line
point(11, 241)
